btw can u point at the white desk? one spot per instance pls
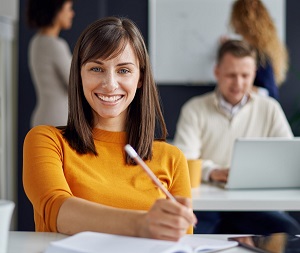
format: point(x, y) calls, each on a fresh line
point(32, 242)
point(213, 198)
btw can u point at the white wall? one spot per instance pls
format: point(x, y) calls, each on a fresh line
point(9, 8)
point(9, 17)
point(189, 31)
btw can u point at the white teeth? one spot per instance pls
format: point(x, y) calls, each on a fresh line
point(109, 99)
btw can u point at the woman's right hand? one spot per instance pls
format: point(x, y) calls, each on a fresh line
point(168, 220)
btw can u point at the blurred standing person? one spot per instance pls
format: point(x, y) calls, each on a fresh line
point(50, 59)
point(251, 19)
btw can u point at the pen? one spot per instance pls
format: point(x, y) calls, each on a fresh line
point(131, 152)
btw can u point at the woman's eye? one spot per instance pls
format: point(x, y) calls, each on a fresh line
point(96, 69)
point(124, 71)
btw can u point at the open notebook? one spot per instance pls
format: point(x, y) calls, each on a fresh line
point(92, 242)
point(265, 163)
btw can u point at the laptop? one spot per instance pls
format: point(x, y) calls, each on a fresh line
point(263, 163)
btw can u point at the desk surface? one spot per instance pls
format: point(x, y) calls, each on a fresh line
point(213, 198)
point(33, 242)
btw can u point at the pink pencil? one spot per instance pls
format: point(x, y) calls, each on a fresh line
point(132, 153)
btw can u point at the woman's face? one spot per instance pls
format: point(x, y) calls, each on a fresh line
point(109, 86)
point(64, 17)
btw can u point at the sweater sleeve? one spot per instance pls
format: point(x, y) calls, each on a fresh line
point(280, 126)
point(188, 136)
point(181, 182)
point(43, 176)
point(188, 133)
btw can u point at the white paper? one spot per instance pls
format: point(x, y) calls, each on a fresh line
point(91, 242)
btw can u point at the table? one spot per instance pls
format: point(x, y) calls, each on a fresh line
point(37, 242)
point(30, 242)
point(213, 198)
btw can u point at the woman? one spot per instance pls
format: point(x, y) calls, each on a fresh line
point(50, 59)
point(252, 21)
point(78, 177)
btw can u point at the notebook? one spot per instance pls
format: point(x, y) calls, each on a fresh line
point(265, 163)
point(92, 242)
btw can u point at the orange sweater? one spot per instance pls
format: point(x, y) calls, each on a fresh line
point(53, 172)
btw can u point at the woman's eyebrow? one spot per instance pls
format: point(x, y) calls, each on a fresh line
point(125, 63)
point(119, 64)
point(96, 61)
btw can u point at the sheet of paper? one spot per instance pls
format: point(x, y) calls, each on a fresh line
point(199, 244)
point(91, 242)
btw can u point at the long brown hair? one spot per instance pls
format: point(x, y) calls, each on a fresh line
point(106, 38)
point(251, 19)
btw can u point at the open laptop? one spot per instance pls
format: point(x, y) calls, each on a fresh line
point(265, 163)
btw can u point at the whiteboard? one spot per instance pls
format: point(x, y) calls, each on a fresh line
point(184, 36)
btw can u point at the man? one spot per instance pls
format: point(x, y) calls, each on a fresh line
point(209, 124)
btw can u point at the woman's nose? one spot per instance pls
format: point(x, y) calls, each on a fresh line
point(109, 83)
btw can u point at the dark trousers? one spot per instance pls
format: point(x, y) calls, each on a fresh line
point(245, 223)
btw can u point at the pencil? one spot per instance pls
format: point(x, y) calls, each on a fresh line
point(132, 153)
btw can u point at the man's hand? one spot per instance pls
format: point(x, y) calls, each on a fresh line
point(219, 175)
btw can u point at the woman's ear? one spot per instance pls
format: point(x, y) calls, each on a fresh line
point(140, 84)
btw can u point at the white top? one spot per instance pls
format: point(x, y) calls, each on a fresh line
point(49, 62)
point(205, 131)
point(230, 109)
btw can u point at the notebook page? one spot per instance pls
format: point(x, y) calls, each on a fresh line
point(200, 244)
point(90, 242)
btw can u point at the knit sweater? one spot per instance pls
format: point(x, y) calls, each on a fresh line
point(54, 172)
point(204, 131)
point(49, 62)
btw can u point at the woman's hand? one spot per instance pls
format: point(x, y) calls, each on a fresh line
point(168, 220)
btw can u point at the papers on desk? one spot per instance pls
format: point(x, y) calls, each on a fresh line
point(91, 242)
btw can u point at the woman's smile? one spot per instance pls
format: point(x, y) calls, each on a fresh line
point(109, 99)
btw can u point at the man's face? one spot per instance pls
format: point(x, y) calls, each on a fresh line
point(235, 77)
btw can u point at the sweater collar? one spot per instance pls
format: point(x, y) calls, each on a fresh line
point(111, 137)
point(216, 97)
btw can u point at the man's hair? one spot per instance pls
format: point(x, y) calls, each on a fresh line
point(107, 38)
point(236, 48)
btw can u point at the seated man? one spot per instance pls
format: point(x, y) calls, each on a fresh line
point(209, 124)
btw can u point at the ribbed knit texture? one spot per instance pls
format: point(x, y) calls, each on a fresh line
point(49, 61)
point(204, 131)
point(53, 172)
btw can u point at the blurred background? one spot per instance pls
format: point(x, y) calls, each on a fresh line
point(17, 96)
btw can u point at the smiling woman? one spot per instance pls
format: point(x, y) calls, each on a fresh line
point(88, 180)
point(109, 86)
